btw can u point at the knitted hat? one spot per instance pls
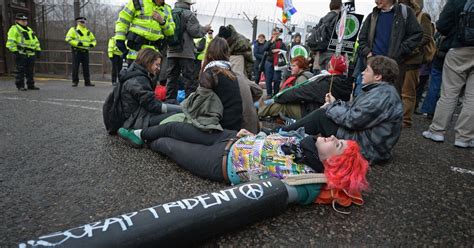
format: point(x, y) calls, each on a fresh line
point(224, 32)
point(337, 65)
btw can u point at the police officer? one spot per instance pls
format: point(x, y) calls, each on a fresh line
point(115, 56)
point(25, 46)
point(143, 23)
point(81, 40)
point(201, 48)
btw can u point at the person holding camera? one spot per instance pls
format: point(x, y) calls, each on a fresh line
point(81, 40)
point(24, 44)
point(274, 59)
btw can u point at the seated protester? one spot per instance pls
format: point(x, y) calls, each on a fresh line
point(216, 74)
point(298, 101)
point(299, 72)
point(138, 98)
point(373, 119)
point(237, 157)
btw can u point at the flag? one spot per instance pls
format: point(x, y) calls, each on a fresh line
point(280, 3)
point(287, 9)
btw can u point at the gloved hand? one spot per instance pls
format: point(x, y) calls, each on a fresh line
point(79, 44)
point(91, 45)
point(38, 54)
point(121, 46)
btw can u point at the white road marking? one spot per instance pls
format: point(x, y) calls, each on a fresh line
point(50, 102)
point(461, 170)
point(74, 100)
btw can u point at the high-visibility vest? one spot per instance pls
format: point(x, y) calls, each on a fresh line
point(112, 48)
point(201, 55)
point(22, 40)
point(80, 34)
point(141, 22)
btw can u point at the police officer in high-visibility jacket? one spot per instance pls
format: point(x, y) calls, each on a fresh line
point(115, 56)
point(24, 44)
point(81, 40)
point(143, 23)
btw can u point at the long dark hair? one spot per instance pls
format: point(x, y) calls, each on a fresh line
point(218, 49)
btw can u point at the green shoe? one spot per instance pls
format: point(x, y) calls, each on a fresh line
point(130, 137)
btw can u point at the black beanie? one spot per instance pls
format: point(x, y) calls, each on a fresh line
point(224, 32)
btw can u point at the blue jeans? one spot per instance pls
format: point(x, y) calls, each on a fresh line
point(272, 79)
point(429, 105)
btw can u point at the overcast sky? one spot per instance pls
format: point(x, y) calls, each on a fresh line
point(266, 9)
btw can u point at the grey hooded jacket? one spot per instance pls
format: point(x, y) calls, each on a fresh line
point(373, 119)
point(192, 30)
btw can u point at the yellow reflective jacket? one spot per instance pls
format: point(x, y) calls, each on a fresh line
point(142, 23)
point(22, 40)
point(112, 48)
point(201, 55)
point(80, 34)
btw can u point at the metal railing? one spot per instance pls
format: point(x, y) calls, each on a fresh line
point(47, 54)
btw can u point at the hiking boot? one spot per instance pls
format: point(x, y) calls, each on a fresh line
point(287, 120)
point(22, 89)
point(433, 136)
point(33, 88)
point(130, 137)
point(74, 84)
point(463, 144)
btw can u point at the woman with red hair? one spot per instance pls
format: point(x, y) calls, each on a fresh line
point(299, 100)
point(299, 72)
point(238, 157)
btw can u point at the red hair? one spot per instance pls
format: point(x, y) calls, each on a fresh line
point(348, 170)
point(301, 62)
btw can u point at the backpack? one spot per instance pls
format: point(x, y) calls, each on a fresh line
point(176, 40)
point(466, 24)
point(320, 35)
point(112, 110)
point(429, 50)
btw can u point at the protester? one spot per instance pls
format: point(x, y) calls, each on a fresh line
point(238, 45)
point(181, 57)
point(458, 73)
point(258, 53)
point(139, 105)
point(115, 56)
point(413, 63)
point(81, 40)
point(24, 44)
point(237, 157)
point(373, 119)
point(391, 30)
point(273, 49)
point(318, 41)
point(434, 87)
point(298, 101)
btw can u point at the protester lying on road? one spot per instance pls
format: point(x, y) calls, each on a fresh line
point(301, 99)
point(373, 119)
point(139, 105)
point(237, 157)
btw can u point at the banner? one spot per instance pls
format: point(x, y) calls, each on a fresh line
point(353, 23)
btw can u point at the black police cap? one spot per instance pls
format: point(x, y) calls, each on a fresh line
point(81, 19)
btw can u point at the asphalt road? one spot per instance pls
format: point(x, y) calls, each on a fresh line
point(59, 169)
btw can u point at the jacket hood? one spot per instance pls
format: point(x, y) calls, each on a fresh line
point(182, 5)
point(133, 71)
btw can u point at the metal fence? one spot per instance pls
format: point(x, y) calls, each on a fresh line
point(59, 62)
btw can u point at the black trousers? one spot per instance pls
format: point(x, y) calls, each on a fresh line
point(196, 151)
point(176, 67)
point(25, 67)
point(316, 122)
point(117, 63)
point(80, 57)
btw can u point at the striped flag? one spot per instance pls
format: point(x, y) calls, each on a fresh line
point(287, 9)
